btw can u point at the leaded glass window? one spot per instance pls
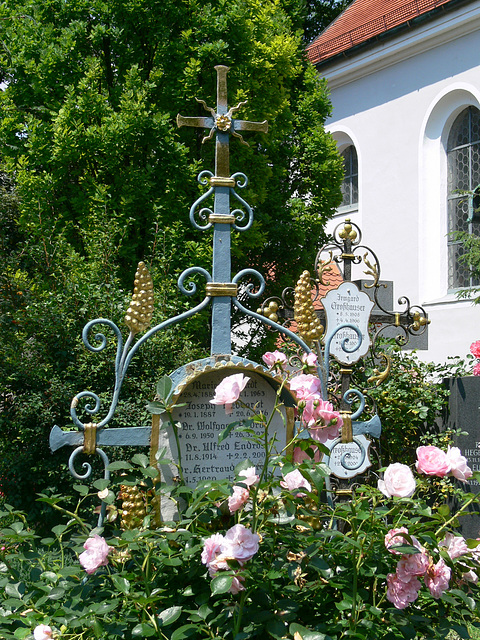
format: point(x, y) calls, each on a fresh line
point(463, 159)
point(350, 180)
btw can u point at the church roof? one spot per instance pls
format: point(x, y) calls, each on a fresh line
point(364, 20)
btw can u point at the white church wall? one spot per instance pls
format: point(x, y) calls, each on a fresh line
point(396, 104)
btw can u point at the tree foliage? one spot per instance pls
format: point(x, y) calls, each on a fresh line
point(96, 176)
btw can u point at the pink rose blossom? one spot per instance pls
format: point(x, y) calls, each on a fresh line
point(310, 359)
point(475, 349)
point(437, 578)
point(322, 421)
point(455, 546)
point(415, 564)
point(432, 461)
point(272, 358)
point(295, 480)
point(212, 548)
point(248, 476)
point(394, 537)
point(240, 543)
point(458, 464)
point(400, 593)
point(238, 498)
point(95, 554)
point(299, 455)
point(470, 576)
point(42, 632)
point(237, 584)
point(476, 369)
point(398, 481)
point(228, 391)
point(305, 385)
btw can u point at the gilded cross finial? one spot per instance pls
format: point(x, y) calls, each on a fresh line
point(222, 123)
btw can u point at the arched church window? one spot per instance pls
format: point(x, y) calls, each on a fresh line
point(350, 180)
point(463, 159)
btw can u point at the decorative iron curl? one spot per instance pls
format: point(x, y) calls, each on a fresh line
point(203, 179)
point(241, 179)
point(100, 337)
point(240, 214)
point(347, 396)
point(87, 465)
point(87, 474)
point(191, 286)
point(91, 410)
point(249, 288)
point(347, 455)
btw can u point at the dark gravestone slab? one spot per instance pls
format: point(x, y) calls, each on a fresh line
point(464, 414)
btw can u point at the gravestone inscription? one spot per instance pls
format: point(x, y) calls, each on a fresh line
point(348, 459)
point(200, 423)
point(347, 305)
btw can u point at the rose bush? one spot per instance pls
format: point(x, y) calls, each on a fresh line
point(279, 565)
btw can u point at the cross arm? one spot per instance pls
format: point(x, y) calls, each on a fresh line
point(200, 121)
point(246, 125)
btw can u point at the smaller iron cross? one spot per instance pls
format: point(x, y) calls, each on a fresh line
point(222, 123)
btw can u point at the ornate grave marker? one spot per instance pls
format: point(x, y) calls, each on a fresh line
point(200, 454)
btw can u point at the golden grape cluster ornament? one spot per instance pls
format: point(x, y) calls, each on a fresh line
point(309, 326)
point(140, 312)
point(133, 509)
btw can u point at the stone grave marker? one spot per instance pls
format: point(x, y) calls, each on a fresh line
point(202, 458)
point(347, 305)
point(464, 414)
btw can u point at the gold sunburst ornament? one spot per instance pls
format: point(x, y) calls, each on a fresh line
point(140, 312)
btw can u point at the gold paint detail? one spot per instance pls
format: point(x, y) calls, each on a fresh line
point(348, 232)
point(309, 326)
point(419, 321)
point(347, 372)
point(223, 122)
point(379, 376)
point(215, 289)
point(343, 492)
point(348, 256)
point(221, 219)
point(134, 506)
point(371, 271)
point(218, 181)
point(324, 268)
point(90, 438)
point(397, 319)
point(347, 429)
point(139, 313)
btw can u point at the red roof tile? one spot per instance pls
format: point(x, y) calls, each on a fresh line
point(365, 19)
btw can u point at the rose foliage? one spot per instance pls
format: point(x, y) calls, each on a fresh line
point(262, 556)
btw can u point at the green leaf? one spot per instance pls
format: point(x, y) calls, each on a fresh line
point(305, 634)
point(121, 583)
point(118, 465)
point(167, 616)
point(141, 460)
point(164, 388)
point(143, 630)
point(81, 489)
point(221, 584)
point(15, 590)
point(187, 631)
point(101, 484)
point(157, 408)
point(226, 432)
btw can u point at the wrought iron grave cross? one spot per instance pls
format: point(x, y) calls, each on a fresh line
point(222, 125)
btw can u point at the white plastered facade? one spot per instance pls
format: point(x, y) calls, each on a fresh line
point(395, 102)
